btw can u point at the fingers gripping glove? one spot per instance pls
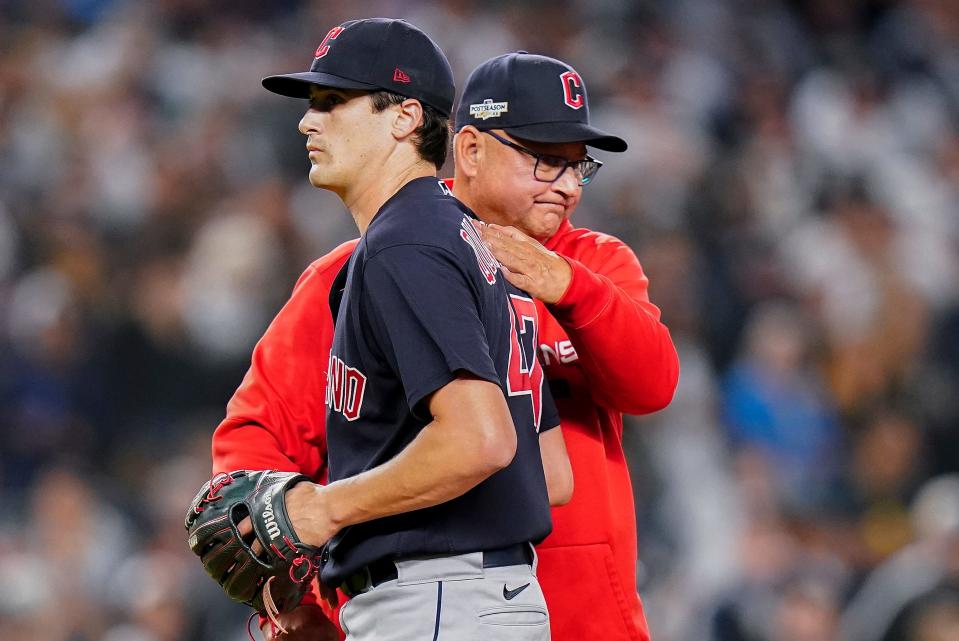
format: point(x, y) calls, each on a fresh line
point(276, 580)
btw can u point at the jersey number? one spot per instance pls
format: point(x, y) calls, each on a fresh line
point(525, 372)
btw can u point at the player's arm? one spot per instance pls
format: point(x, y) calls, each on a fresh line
point(556, 466)
point(470, 437)
point(602, 301)
point(434, 338)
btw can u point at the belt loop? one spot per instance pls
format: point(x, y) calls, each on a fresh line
point(357, 583)
point(532, 549)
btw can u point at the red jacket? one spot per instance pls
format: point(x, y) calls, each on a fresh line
point(602, 342)
point(605, 353)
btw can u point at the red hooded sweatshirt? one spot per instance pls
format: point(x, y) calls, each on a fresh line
point(605, 353)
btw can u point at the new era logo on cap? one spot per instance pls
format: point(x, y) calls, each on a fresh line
point(400, 76)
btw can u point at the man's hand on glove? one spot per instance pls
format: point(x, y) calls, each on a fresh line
point(240, 527)
point(308, 515)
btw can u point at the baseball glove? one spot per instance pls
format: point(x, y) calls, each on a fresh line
point(276, 580)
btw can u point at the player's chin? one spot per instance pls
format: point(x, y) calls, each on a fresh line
point(319, 178)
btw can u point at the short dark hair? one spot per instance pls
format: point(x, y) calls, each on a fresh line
point(432, 137)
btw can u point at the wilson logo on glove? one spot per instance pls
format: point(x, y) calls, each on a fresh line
point(271, 527)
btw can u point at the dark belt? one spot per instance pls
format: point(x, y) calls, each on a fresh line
point(383, 570)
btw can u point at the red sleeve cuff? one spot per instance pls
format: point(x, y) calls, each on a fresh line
point(586, 297)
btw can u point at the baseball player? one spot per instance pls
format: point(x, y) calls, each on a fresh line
point(437, 418)
point(605, 350)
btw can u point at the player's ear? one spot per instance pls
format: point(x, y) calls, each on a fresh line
point(467, 150)
point(408, 118)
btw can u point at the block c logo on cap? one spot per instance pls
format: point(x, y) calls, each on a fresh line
point(572, 89)
point(324, 47)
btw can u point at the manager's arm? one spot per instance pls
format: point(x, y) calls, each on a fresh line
point(600, 298)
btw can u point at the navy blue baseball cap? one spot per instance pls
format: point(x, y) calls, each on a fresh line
point(375, 54)
point(533, 97)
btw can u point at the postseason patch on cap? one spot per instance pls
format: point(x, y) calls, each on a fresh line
point(488, 109)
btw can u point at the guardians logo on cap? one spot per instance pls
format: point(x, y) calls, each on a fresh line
point(573, 93)
point(324, 47)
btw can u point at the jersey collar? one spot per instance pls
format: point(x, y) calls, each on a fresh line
point(426, 185)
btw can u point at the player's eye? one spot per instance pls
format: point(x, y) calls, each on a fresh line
point(326, 102)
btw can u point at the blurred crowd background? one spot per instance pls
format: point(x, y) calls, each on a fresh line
point(791, 188)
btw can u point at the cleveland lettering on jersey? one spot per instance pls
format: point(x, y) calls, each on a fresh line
point(345, 388)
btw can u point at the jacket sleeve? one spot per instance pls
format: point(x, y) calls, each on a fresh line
point(277, 417)
point(626, 353)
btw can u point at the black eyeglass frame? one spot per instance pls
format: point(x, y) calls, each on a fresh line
point(584, 177)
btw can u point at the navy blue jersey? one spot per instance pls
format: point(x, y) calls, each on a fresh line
point(422, 300)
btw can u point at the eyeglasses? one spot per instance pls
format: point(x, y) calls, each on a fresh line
point(548, 169)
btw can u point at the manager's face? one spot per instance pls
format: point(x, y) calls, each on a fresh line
point(529, 185)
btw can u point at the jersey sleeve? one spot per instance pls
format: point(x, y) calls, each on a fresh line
point(426, 314)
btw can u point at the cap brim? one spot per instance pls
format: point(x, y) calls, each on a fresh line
point(569, 132)
point(297, 85)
